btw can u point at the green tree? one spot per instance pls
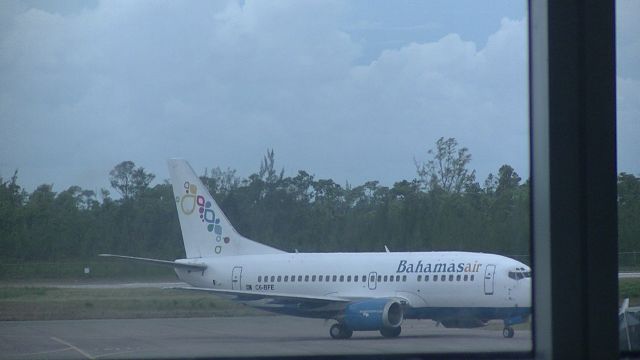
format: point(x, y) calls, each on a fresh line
point(508, 179)
point(128, 180)
point(628, 212)
point(267, 169)
point(447, 170)
point(39, 220)
point(12, 199)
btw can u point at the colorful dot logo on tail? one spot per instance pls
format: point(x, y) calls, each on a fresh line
point(188, 204)
point(188, 201)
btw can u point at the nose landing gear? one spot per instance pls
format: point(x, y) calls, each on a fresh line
point(508, 332)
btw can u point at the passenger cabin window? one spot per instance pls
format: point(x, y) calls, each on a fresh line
point(273, 278)
point(299, 278)
point(341, 278)
point(279, 278)
point(348, 278)
point(306, 278)
point(259, 278)
point(420, 278)
point(335, 277)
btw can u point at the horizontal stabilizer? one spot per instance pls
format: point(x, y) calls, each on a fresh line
point(173, 264)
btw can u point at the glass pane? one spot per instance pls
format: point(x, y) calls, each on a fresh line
point(628, 132)
point(391, 134)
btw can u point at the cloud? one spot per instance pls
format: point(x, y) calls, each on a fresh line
point(628, 85)
point(628, 129)
point(627, 40)
point(220, 82)
point(449, 88)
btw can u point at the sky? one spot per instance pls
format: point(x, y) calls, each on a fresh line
point(348, 90)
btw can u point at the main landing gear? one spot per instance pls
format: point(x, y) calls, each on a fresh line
point(508, 332)
point(339, 331)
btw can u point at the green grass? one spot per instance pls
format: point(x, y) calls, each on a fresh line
point(41, 303)
point(99, 269)
point(19, 292)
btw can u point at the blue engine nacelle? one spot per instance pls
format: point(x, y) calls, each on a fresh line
point(373, 314)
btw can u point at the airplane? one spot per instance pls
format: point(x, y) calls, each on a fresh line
point(372, 291)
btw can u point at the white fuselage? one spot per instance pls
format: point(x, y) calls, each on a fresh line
point(437, 280)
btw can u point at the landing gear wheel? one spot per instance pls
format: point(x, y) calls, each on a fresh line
point(391, 332)
point(508, 332)
point(335, 331)
point(339, 331)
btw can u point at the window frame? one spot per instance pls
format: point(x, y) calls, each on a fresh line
point(573, 177)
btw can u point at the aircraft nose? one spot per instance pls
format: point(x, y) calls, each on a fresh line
point(523, 293)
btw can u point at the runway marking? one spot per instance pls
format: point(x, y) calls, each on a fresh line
point(71, 346)
point(46, 352)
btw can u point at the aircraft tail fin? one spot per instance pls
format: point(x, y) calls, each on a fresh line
point(206, 231)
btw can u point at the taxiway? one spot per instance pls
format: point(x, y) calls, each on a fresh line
point(234, 336)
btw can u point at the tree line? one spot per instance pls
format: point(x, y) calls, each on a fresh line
point(443, 208)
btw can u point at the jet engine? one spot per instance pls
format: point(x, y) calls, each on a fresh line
point(374, 314)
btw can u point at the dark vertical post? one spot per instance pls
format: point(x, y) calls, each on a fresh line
point(572, 89)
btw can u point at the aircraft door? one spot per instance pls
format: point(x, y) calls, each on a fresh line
point(373, 280)
point(489, 273)
point(236, 278)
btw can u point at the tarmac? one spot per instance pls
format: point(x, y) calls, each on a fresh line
point(235, 336)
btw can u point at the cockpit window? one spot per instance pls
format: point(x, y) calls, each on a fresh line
point(519, 273)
